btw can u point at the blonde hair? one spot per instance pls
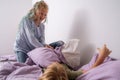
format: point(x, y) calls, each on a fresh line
point(55, 71)
point(38, 5)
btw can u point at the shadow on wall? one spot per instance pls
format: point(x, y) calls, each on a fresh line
point(80, 30)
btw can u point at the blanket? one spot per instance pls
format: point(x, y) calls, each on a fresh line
point(109, 70)
point(20, 71)
point(8, 58)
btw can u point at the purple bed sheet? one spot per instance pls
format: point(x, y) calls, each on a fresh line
point(19, 71)
point(109, 70)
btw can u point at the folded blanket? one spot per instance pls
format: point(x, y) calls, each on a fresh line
point(11, 57)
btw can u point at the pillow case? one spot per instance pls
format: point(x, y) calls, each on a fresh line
point(71, 54)
point(43, 56)
point(73, 60)
point(71, 46)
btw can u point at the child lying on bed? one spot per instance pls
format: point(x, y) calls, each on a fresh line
point(57, 71)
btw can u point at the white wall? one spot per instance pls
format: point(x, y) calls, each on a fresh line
point(94, 22)
point(11, 12)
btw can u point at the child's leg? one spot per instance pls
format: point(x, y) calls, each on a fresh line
point(21, 57)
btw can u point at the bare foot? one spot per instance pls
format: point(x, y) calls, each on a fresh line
point(104, 51)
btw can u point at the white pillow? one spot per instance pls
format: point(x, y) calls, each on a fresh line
point(72, 59)
point(71, 46)
point(70, 52)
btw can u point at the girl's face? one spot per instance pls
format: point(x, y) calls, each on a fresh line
point(41, 14)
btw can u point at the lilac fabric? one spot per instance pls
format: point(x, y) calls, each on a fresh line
point(8, 58)
point(19, 71)
point(5, 70)
point(43, 56)
point(25, 73)
point(109, 70)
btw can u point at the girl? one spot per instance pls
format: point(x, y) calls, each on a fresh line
point(31, 32)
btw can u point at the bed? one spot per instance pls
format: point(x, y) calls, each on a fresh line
point(7, 59)
point(12, 70)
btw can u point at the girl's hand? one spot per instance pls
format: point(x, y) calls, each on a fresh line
point(104, 51)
